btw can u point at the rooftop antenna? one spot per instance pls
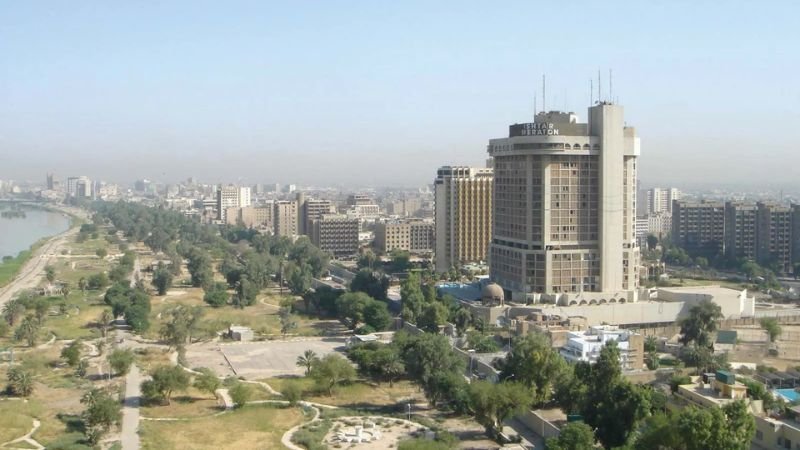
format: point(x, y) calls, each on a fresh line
point(535, 110)
point(565, 100)
point(544, 94)
point(591, 92)
point(599, 88)
point(611, 85)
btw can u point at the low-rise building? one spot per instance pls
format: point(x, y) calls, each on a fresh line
point(586, 345)
point(415, 236)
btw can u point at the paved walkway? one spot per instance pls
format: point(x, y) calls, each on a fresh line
point(133, 390)
point(27, 441)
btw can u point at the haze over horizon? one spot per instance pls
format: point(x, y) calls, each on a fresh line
point(383, 94)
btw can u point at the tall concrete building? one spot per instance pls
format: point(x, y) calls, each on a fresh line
point(463, 211)
point(741, 220)
point(564, 226)
point(659, 200)
point(311, 210)
point(774, 236)
point(795, 238)
point(285, 218)
point(699, 227)
point(336, 234)
point(80, 187)
point(231, 196)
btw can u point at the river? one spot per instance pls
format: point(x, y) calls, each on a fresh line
point(18, 234)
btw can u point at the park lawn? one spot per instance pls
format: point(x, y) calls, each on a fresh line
point(149, 358)
point(186, 404)
point(356, 394)
point(254, 426)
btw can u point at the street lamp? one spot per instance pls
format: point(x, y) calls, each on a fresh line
point(471, 358)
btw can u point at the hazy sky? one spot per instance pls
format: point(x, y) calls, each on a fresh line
point(384, 92)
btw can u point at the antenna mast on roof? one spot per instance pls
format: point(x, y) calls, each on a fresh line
point(611, 85)
point(535, 109)
point(591, 92)
point(544, 94)
point(599, 88)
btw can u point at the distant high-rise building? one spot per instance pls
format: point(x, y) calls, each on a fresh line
point(659, 200)
point(336, 234)
point(774, 247)
point(50, 183)
point(741, 220)
point(285, 218)
point(463, 215)
point(699, 227)
point(564, 226)
point(231, 196)
point(80, 187)
point(312, 209)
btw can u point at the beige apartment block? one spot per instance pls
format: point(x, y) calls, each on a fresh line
point(564, 208)
point(463, 215)
point(415, 236)
point(335, 234)
point(285, 218)
point(250, 216)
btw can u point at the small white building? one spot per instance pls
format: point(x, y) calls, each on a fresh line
point(586, 345)
point(240, 333)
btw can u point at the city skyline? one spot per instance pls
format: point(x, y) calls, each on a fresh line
point(279, 93)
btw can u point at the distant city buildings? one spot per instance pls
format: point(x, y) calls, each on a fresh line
point(285, 218)
point(564, 226)
point(79, 187)
point(659, 200)
point(699, 227)
point(231, 196)
point(463, 214)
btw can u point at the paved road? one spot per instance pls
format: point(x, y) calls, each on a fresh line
point(31, 272)
point(133, 382)
point(133, 395)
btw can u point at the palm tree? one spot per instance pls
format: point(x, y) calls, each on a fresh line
point(28, 330)
point(13, 310)
point(307, 360)
point(105, 318)
point(20, 381)
point(82, 284)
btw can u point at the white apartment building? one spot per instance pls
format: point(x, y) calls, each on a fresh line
point(231, 196)
point(659, 200)
point(586, 345)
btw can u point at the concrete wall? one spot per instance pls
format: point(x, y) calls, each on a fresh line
point(538, 424)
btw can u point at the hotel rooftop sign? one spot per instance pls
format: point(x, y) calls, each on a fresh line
point(532, 129)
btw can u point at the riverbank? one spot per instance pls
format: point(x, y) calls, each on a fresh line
point(22, 268)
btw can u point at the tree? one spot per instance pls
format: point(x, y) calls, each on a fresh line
point(433, 315)
point(331, 370)
point(412, 298)
point(28, 331)
point(493, 403)
point(650, 344)
point(82, 284)
point(292, 392)
point(533, 362)
point(771, 326)
point(700, 324)
point(401, 260)
point(121, 360)
point(105, 319)
point(246, 293)
point(652, 242)
point(574, 436)
point(102, 412)
point(376, 315)
point(40, 309)
point(165, 380)
point(307, 360)
point(97, 281)
point(162, 279)
point(72, 353)
point(50, 273)
point(13, 311)
point(101, 253)
point(367, 260)
point(216, 295)
point(374, 284)
point(701, 261)
point(199, 267)
point(298, 278)
point(181, 324)
point(430, 360)
point(207, 381)
point(288, 323)
point(350, 307)
point(730, 427)
point(20, 381)
point(240, 394)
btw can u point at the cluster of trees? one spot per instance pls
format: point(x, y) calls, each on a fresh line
point(26, 314)
point(422, 306)
point(131, 302)
point(698, 330)
point(102, 412)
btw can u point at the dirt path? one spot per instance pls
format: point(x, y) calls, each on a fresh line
point(27, 440)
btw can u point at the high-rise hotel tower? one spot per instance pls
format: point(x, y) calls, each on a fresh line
point(565, 209)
